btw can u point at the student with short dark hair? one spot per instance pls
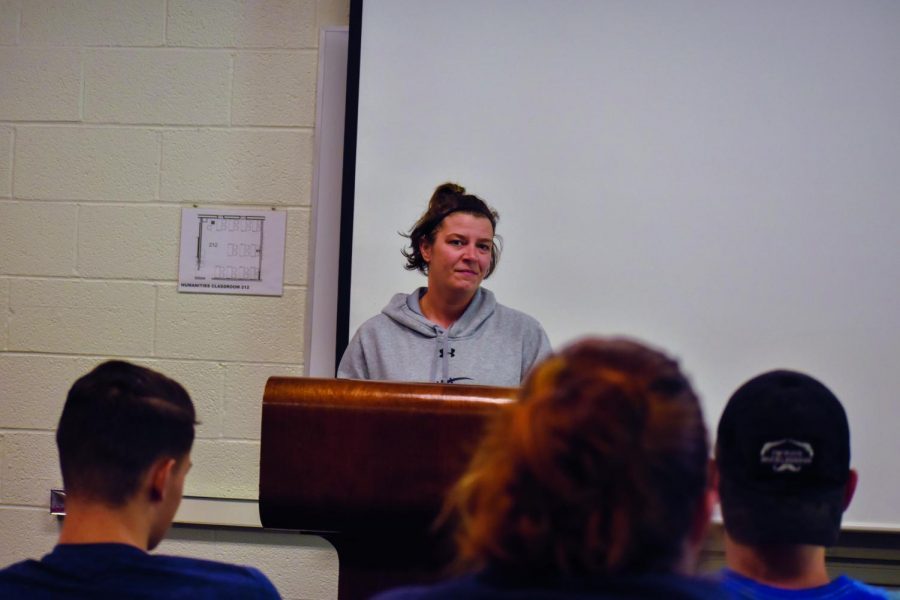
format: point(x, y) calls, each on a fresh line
point(594, 484)
point(124, 441)
point(784, 477)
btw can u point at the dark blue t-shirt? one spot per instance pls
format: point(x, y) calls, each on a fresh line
point(491, 585)
point(123, 571)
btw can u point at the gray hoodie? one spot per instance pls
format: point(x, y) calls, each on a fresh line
point(490, 344)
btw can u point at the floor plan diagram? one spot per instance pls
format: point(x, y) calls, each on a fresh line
point(229, 247)
point(232, 251)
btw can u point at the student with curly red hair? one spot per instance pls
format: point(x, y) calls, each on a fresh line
point(593, 485)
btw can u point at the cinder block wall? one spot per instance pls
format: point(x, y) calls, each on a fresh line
point(115, 114)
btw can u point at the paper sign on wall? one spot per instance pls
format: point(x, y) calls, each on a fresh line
point(232, 251)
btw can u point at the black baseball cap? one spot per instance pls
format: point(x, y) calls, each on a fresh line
point(783, 453)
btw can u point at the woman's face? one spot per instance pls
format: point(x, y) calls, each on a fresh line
point(460, 256)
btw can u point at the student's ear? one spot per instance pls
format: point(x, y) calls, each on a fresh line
point(850, 489)
point(714, 477)
point(161, 473)
point(704, 512)
point(425, 250)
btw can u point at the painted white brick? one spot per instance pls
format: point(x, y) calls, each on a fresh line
point(133, 242)
point(296, 247)
point(37, 238)
point(6, 152)
point(40, 84)
point(176, 87)
point(224, 469)
point(300, 566)
point(9, 21)
point(4, 315)
point(93, 23)
point(184, 540)
point(77, 163)
point(31, 402)
point(259, 167)
point(230, 327)
point(242, 23)
point(35, 402)
point(181, 539)
point(204, 381)
point(188, 540)
point(82, 317)
point(34, 387)
point(27, 533)
point(30, 468)
point(333, 12)
point(244, 387)
point(274, 88)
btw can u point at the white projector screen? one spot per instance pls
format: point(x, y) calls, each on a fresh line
point(718, 178)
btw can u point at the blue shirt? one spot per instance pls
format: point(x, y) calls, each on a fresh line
point(123, 571)
point(492, 585)
point(841, 588)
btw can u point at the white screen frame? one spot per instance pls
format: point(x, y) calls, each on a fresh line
point(721, 179)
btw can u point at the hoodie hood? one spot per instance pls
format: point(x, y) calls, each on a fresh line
point(406, 311)
point(490, 344)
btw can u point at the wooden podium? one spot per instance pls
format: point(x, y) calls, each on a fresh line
point(366, 464)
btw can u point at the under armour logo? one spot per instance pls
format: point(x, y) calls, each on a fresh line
point(452, 352)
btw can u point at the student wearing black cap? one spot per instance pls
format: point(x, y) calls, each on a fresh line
point(783, 459)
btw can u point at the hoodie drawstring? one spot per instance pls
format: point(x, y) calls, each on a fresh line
point(445, 353)
point(441, 355)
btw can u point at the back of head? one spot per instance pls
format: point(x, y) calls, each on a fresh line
point(118, 419)
point(783, 453)
point(599, 469)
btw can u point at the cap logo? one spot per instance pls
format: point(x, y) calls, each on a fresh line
point(786, 455)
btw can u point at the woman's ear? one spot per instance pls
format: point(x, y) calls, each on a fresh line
point(425, 250)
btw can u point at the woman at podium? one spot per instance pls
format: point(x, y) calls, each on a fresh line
point(453, 330)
